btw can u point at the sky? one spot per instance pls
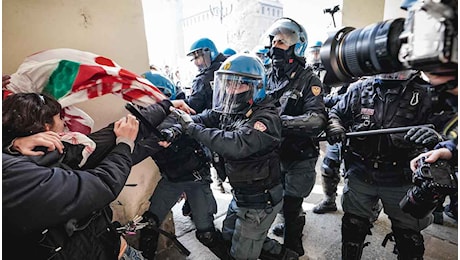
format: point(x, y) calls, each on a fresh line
point(159, 26)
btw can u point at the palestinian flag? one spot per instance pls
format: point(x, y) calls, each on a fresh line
point(74, 76)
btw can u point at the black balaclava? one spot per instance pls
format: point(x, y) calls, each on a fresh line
point(284, 61)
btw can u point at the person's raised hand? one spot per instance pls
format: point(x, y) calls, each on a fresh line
point(26, 145)
point(183, 118)
point(431, 157)
point(180, 104)
point(424, 136)
point(335, 132)
point(127, 127)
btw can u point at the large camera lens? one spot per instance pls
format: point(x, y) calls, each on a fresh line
point(419, 202)
point(349, 54)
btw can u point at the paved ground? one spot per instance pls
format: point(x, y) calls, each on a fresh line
point(322, 236)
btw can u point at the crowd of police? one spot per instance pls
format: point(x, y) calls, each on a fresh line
point(259, 120)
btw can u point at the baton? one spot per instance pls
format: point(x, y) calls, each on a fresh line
point(393, 130)
point(135, 111)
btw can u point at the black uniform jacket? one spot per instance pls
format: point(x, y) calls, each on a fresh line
point(247, 147)
point(302, 110)
point(201, 97)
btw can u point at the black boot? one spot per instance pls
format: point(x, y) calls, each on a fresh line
point(294, 221)
point(331, 179)
point(285, 254)
point(409, 244)
point(354, 231)
point(214, 241)
point(148, 240)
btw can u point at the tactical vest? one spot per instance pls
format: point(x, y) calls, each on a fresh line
point(290, 102)
point(389, 160)
point(256, 173)
point(290, 95)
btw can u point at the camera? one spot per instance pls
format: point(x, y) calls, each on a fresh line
point(432, 182)
point(425, 40)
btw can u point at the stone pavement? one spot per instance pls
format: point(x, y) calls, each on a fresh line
point(322, 233)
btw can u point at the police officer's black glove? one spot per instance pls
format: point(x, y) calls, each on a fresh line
point(183, 118)
point(424, 136)
point(335, 132)
point(171, 134)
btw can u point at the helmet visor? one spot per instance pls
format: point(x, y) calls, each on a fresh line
point(234, 94)
point(286, 30)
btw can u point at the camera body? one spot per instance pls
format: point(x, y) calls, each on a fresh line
point(432, 182)
point(426, 40)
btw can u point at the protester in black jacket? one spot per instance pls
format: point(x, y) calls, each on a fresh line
point(38, 201)
point(55, 211)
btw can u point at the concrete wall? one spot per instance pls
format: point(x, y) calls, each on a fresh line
point(114, 29)
point(111, 28)
point(359, 13)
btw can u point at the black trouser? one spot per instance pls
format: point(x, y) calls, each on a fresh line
point(294, 221)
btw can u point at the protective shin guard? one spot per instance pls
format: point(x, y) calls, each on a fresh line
point(409, 244)
point(354, 231)
point(148, 240)
point(294, 221)
point(214, 241)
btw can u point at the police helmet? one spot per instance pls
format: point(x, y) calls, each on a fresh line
point(262, 53)
point(313, 56)
point(204, 45)
point(163, 83)
point(238, 84)
point(294, 33)
point(228, 52)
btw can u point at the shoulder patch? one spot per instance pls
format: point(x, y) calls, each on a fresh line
point(316, 90)
point(260, 126)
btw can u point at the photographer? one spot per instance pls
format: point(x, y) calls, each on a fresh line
point(445, 94)
point(377, 166)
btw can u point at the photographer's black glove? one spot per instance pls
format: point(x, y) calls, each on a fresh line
point(171, 134)
point(335, 132)
point(424, 136)
point(183, 118)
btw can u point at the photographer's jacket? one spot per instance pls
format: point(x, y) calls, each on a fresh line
point(370, 105)
point(301, 107)
point(249, 147)
point(184, 160)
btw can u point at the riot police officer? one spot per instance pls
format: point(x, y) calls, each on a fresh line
point(377, 166)
point(244, 127)
point(184, 167)
point(299, 98)
point(207, 59)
